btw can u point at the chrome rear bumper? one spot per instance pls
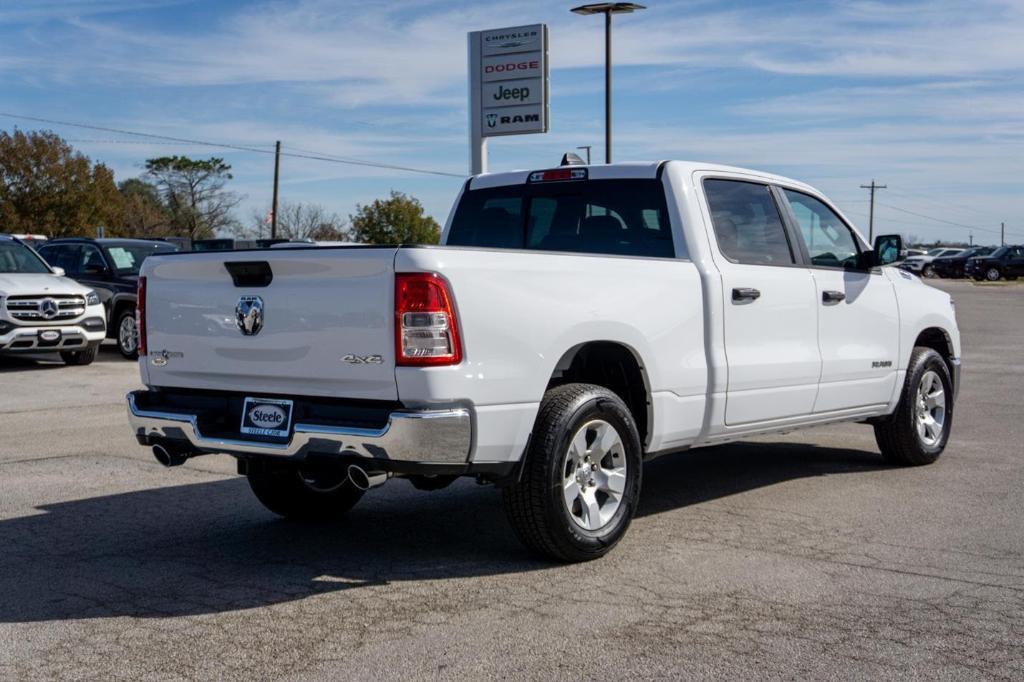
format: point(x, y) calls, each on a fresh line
point(427, 436)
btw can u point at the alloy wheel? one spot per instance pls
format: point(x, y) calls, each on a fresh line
point(128, 335)
point(594, 475)
point(930, 412)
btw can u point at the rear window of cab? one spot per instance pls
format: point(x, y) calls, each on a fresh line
point(615, 217)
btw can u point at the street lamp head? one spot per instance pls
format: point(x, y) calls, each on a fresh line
point(608, 8)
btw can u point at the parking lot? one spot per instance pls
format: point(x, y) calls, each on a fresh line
point(793, 556)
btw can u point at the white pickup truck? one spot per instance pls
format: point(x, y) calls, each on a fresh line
point(575, 322)
point(43, 311)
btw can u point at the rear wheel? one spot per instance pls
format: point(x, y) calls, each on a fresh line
point(581, 482)
point(127, 335)
point(81, 357)
point(304, 492)
point(917, 432)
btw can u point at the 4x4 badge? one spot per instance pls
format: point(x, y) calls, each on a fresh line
point(363, 359)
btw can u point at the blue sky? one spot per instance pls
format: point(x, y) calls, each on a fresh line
point(926, 97)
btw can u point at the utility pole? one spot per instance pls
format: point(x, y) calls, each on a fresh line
point(871, 214)
point(971, 237)
point(587, 147)
point(277, 175)
point(1002, 234)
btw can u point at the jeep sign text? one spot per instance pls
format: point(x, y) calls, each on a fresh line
point(504, 93)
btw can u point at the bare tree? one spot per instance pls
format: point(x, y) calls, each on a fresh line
point(296, 220)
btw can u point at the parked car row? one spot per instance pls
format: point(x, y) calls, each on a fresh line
point(990, 263)
point(1006, 262)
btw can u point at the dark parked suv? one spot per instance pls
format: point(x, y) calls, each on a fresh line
point(1006, 262)
point(111, 268)
point(952, 267)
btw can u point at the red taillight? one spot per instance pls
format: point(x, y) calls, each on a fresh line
point(140, 314)
point(426, 329)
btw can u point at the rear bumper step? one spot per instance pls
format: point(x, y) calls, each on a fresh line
point(421, 436)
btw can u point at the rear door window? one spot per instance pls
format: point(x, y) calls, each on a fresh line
point(747, 223)
point(618, 217)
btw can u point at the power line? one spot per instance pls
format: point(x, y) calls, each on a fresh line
point(224, 145)
point(938, 220)
point(938, 200)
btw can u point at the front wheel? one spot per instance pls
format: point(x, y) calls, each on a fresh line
point(928, 272)
point(917, 432)
point(581, 482)
point(303, 492)
point(993, 274)
point(128, 335)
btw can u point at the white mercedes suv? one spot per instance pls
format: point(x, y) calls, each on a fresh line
point(43, 311)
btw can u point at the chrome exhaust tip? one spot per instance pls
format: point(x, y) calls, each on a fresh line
point(169, 457)
point(364, 480)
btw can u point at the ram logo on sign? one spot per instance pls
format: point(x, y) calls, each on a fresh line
point(509, 81)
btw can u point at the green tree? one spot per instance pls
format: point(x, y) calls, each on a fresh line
point(47, 187)
point(398, 219)
point(193, 192)
point(144, 213)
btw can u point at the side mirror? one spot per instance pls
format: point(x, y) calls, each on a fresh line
point(888, 248)
point(58, 271)
point(94, 270)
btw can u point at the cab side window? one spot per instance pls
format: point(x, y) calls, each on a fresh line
point(747, 223)
point(830, 243)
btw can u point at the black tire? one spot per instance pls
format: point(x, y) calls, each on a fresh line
point(129, 348)
point(303, 494)
point(928, 271)
point(993, 274)
point(897, 436)
point(80, 357)
point(535, 505)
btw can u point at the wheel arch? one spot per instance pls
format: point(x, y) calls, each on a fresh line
point(939, 340)
point(121, 301)
point(615, 366)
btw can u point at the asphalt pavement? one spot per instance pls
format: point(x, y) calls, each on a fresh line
point(797, 556)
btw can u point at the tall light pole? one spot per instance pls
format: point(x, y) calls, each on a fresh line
point(608, 9)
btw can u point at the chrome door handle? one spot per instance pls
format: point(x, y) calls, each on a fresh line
point(745, 294)
point(828, 297)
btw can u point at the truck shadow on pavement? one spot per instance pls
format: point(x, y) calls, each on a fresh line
point(34, 362)
point(209, 547)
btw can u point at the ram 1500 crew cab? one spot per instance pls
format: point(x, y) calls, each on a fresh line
point(43, 311)
point(575, 322)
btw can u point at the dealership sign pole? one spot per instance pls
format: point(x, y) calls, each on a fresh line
point(508, 86)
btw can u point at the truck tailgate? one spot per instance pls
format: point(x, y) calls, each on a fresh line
point(327, 322)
